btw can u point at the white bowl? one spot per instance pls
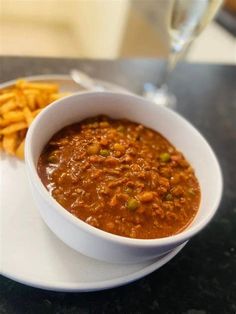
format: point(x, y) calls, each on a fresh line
point(97, 243)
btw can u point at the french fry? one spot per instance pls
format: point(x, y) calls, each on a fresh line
point(28, 115)
point(13, 128)
point(14, 116)
point(49, 87)
point(6, 97)
point(4, 123)
point(31, 98)
point(19, 83)
point(19, 105)
point(57, 96)
point(21, 100)
point(9, 143)
point(36, 112)
point(42, 100)
point(20, 150)
point(10, 105)
point(31, 91)
point(1, 139)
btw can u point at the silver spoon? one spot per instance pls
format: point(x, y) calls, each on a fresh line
point(85, 81)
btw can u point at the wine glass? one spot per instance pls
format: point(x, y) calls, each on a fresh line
point(187, 19)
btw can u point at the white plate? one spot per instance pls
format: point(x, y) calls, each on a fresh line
point(29, 251)
point(66, 83)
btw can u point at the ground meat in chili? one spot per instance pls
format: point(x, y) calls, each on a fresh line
point(121, 177)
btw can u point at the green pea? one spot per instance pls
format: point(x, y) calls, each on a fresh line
point(132, 204)
point(164, 157)
point(104, 152)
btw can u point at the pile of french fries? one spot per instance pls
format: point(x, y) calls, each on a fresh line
point(19, 105)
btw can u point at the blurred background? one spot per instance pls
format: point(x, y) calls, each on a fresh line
point(107, 29)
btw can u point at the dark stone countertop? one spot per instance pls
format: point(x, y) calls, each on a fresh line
point(202, 277)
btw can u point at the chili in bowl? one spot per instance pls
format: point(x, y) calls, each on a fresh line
point(119, 178)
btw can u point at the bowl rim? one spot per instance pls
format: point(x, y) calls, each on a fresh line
point(180, 237)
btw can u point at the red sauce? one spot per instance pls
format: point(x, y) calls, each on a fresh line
point(120, 177)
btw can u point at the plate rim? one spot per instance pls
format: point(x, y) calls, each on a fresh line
point(98, 285)
point(62, 77)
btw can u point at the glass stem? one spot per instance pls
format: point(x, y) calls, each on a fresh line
point(170, 66)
